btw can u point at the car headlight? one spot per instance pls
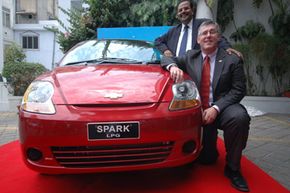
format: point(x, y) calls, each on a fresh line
point(185, 96)
point(37, 98)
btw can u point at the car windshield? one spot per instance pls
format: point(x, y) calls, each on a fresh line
point(112, 51)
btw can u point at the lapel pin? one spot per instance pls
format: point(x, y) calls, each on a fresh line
point(220, 60)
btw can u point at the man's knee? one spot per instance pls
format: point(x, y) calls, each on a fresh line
point(236, 116)
point(241, 118)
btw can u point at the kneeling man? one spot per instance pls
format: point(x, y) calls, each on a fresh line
point(222, 85)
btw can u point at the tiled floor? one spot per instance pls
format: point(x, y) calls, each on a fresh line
point(269, 146)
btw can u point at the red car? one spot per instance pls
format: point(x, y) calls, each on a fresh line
point(108, 107)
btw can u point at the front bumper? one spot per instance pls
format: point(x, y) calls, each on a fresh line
point(63, 139)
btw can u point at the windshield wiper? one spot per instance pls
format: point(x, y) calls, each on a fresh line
point(106, 60)
point(85, 62)
point(121, 60)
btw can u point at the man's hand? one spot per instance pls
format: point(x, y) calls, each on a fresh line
point(231, 50)
point(209, 115)
point(176, 74)
point(168, 53)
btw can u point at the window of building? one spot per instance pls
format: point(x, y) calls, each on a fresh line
point(26, 11)
point(28, 6)
point(52, 9)
point(6, 17)
point(30, 40)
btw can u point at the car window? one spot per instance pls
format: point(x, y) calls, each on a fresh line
point(94, 50)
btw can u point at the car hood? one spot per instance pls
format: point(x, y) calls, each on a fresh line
point(110, 84)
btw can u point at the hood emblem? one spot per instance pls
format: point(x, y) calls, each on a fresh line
point(114, 95)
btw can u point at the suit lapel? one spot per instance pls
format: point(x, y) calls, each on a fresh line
point(195, 66)
point(194, 34)
point(219, 64)
point(198, 68)
point(176, 35)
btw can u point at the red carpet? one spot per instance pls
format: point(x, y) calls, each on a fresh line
point(16, 178)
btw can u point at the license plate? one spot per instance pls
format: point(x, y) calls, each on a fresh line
point(113, 130)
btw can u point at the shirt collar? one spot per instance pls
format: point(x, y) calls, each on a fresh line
point(211, 56)
point(189, 25)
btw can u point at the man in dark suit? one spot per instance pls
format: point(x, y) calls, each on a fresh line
point(220, 79)
point(170, 43)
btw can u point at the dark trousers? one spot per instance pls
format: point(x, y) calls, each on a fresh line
point(235, 122)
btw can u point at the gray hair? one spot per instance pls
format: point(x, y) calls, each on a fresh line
point(209, 22)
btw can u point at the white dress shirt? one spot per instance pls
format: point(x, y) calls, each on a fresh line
point(189, 37)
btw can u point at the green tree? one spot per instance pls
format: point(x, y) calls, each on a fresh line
point(225, 13)
point(19, 74)
point(13, 54)
point(154, 13)
point(269, 51)
point(124, 13)
point(113, 13)
point(81, 28)
point(110, 13)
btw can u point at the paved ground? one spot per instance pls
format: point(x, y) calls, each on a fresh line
point(268, 144)
point(8, 127)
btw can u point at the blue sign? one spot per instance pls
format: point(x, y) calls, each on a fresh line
point(136, 33)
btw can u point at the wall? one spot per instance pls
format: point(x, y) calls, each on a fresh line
point(8, 32)
point(279, 105)
point(44, 55)
point(203, 10)
point(6, 36)
point(4, 103)
point(49, 52)
point(65, 4)
point(243, 12)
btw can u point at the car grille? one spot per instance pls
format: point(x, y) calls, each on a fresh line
point(116, 155)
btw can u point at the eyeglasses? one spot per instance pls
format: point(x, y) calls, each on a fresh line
point(211, 32)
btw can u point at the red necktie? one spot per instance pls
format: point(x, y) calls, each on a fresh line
point(205, 83)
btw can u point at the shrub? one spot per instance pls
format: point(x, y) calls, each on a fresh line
point(13, 53)
point(20, 74)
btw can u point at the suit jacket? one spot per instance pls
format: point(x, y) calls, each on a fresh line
point(229, 81)
point(169, 40)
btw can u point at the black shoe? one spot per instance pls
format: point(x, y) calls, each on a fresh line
point(237, 179)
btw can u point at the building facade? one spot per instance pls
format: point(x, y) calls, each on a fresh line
point(26, 23)
point(6, 30)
